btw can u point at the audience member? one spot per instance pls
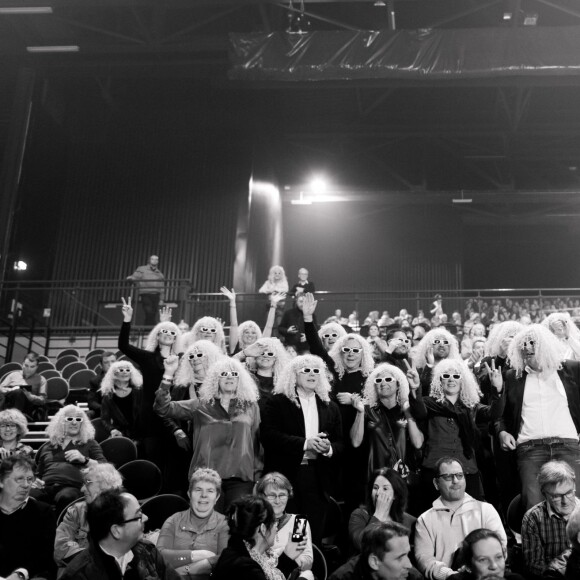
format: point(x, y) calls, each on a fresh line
point(561, 325)
point(206, 328)
point(191, 541)
point(441, 529)
point(151, 285)
point(291, 327)
point(94, 397)
point(303, 285)
point(116, 548)
point(398, 347)
point(225, 422)
point(573, 532)
point(72, 534)
point(378, 345)
point(276, 282)
point(483, 557)
point(541, 420)
point(25, 390)
point(276, 489)
point(386, 501)
point(26, 525)
point(71, 447)
point(301, 436)
point(544, 540)
point(329, 333)
point(384, 555)
point(13, 426)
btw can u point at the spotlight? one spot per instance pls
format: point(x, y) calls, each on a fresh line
point(531, 19)
point(20, 266)
point(318, 185)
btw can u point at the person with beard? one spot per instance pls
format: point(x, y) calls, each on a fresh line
point(440, 531)
point(438, 344)
point(350, 361)
point(378, 345)
point(541, 420)
point(397, 351)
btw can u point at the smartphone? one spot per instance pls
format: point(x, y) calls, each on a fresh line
point(299, 531)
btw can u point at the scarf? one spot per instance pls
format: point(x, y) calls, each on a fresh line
point(266, 561)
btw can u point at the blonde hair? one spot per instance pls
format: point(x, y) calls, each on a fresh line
point(566, 319)
point(497, 334)
point(108, 382)
point(548, 349)
point(246, 393)
point(469, 393)
point(16, 417)
point(287, 381)
point(271, 273)
point(427, 341)
point(57, 427)
point(371, 397)
point(210, 322)
point(152, 341)
point(246, 325)
point(185, 375)
point(282, 356)
point(367, 363)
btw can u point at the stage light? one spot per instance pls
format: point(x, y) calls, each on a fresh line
point(20, 265)
point(301, 200)
point(318, 185)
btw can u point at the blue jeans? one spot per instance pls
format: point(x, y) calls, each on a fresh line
point(533, 454)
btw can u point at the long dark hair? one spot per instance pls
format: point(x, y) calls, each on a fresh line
point(400, 492)
point(247, 514)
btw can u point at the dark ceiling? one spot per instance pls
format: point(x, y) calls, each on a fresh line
point(513, 147)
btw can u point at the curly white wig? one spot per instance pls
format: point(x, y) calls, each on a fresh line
point(469, 394)
point(273, 270)
point(427, 342)
point(548, 349)
point(497, 334)
point(566, 319)
point(331, 327)
point(246, 325)
point(108, 382)
point(287, 381)
point(246, 393)
point(367, 363)
point(56, 429)
point(370, 394)
point(185, 375)
point(195, 333)
point(153, 339)
point(282, 356)
point(16, 417)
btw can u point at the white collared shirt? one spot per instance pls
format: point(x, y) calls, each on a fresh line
point(310, 412)
point(545, 411)
point(123, 561)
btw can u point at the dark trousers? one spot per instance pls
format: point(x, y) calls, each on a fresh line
point(150, 304)
point(232, 489)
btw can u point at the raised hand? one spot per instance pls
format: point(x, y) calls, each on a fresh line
point(165, 314)
point(309, 306)
point(412, 374)
point(429, 356)
point(494, 375)
point(170, 364)
point(357, 403)
point(277, 297)
point(229, 294)
point(127, 309)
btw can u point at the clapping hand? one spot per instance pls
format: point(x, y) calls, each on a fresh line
point(127, 309)
point(357, 403)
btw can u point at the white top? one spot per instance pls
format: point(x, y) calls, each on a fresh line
point(545, 411)
point(310, 412)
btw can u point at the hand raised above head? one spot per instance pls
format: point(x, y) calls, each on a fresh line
point(127, 309)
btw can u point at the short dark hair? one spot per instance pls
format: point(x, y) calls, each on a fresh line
point(392, 331)
point(465, 554)
point(32, 357)
point(247, 514)
point(445, 460)
point(107, 354)
point(107, 510)
point(375, 538)
point(400, 492)
point(8, 465)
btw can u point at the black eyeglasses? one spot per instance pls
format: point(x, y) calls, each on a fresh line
point(233, 374)
point(138, 518)
point(440, 341)
point(379, 380)
point(448, 376)
point(347, 349)
point(193, 355)
point(74, 419)
point(170, 332)
point(308, 370)
point(561, 496)
point(330, 335)
point(207, 329)
point(451, 476)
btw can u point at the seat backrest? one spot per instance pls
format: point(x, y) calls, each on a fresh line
point(101, 431)
point(8, 368)
point(48, 374)
point(68, 352)
point(80, 379)
point(515, 514)
point(65, 360)
point(319, 568)
point(56, 389)
point(63, 512)
point(72, 368)
point(95, 352)
point(93, 362)
point(119, 450)
point(160, 507)
point(44, 366)
point(141, 478)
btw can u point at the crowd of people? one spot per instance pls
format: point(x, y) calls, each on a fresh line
point(421, 431)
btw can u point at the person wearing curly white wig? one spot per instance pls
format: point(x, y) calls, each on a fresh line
point(121, 409)
point(385, 420)
point(563, 327)
point(71, 448)
point(302, 437)
point(541, 420)
point(225, 420)
point(206, 328)
point(453, 411)
point(329, 333)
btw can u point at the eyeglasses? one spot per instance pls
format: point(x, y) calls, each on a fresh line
point(138, 518)
point(74, 419)
point(170, 332)
point(229, 374)
point(330, 335)
point(308, 370)
point(273, 497)
point(268, 354)
point(347, 349)
point(402, 340)
point(123, 370)
point(451, 476)
point(380, 380)
point(440, 341)
point(8, 426)
point(207, 329)
point(193, 355)
point(561, 496)
point(448, 376)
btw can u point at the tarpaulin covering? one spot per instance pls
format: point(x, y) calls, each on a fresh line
point(434, 54)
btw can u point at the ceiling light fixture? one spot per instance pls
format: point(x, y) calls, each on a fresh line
point(71, 48)
point(27, 10)
point(462, 199)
